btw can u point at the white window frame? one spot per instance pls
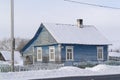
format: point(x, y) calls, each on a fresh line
point(101, 53)
point(39, 48)
point(69, 47)
point(52, 47)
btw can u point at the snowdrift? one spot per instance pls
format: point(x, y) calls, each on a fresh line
point(62, 72)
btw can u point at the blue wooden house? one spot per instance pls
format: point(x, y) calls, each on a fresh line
point(63, 43)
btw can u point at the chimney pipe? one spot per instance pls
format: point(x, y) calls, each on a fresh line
point(80, 23)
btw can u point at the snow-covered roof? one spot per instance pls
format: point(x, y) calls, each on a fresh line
point(114, 54)
point(17, 57)
point(65, 33)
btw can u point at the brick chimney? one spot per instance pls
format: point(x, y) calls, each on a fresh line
point(80, 23)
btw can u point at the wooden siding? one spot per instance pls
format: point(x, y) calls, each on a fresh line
point(44, 38)
point(83, 53)
point(45, 55)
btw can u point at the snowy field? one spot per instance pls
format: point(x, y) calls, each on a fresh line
point(62, 72)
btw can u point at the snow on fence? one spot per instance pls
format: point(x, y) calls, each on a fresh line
point(41, 66)
point(38, 66)
point(49, 66)
point(5, 68)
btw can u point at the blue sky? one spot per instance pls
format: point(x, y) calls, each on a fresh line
point(30, 13)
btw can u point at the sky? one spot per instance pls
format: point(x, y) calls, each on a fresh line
point(29, 14)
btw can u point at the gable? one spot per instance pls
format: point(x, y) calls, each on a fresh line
point(45, 38)
point(42, 37)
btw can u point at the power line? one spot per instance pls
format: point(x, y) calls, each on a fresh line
point(92, 4)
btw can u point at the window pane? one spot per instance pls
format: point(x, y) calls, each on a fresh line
point(100, 53)
point(51, 50)
point(39, 51)
point(100, 50)
point(67, 55)
point(52, 55)
point(39, 55)
point(69, 50)
point(70, 55)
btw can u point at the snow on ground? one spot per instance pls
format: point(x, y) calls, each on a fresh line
point(62, 72)
point(105, 69)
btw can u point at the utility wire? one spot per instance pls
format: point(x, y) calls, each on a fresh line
point(92, 4)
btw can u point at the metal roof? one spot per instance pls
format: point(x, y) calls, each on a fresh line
point(17, 57)
point(71, 34)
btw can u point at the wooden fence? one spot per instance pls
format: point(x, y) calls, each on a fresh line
point(38, 66)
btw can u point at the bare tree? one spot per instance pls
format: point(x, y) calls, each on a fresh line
point(5, 44)
point(19, 44)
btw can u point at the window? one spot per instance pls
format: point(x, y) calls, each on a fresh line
point(39, 54)
point(51, 53)
point(100, 53)
point(69, 53)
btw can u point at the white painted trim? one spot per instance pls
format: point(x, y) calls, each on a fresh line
point(69, 47)
point(51, 47)
point(33, 55)
point(59, 51)
point(102, 53)
point(39, 48)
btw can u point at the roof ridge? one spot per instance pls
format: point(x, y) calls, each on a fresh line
point(65, 24)
point(59, 24)
point(68, 24)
